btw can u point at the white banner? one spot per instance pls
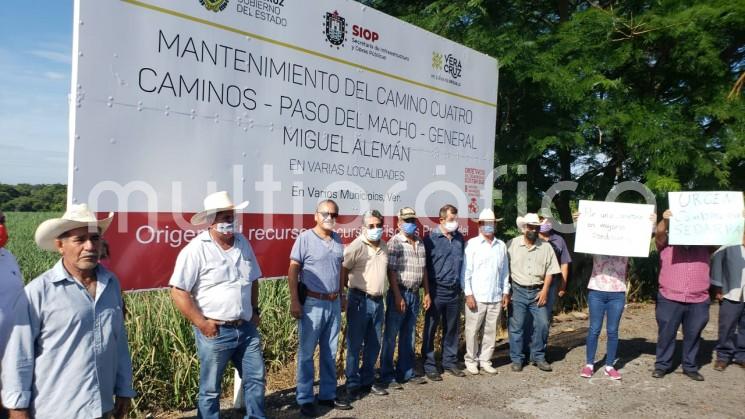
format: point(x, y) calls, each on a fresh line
point(706, 218)
point(615, 229)
point(281, 102)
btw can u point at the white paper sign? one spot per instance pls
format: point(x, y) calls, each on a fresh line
point(614, 229)
point(706, 218)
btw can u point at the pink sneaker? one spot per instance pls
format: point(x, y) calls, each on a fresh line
point(612, 373)
point(586, 372)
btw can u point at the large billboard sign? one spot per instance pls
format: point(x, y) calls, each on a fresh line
point(280, 102)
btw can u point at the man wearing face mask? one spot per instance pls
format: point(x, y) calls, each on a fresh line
point(444, 247)
point(486, 284)
point(532, 266)
point(315, 265)
point(364, 273)
point(215, 286)
point(11, 287)
point(558, 282)
point(407, 262)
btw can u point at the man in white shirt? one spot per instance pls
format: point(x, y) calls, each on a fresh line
point(215, 285)
point(486, 284)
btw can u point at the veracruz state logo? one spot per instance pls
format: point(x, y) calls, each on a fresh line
point(214, 5)
point(335, 28)
point(447, 63)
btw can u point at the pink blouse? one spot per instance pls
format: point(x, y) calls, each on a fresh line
point(608, 273)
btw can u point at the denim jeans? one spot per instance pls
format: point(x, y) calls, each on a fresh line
point(553, 295)
point(319, 326)
point(445, 311)
point(524, 303)
point(608, 305)
point(242, 345)
point(364, 327)
point(401, 326)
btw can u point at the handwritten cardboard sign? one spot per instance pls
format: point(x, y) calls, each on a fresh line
point(615, 229)
point(706, 218)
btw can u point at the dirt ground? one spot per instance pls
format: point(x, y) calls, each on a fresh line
point(562, 393)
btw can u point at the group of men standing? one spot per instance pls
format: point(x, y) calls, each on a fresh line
point(385, 285)
point(68, 324)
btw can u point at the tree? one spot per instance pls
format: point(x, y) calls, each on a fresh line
point(25, 197)
point(604, 92)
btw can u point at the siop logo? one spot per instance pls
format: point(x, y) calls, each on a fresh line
point(214, 5)
point(364, 33)
point(335, 28)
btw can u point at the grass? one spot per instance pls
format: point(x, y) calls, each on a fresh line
point(165, 364)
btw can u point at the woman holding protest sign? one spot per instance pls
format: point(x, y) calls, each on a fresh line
point(606, 300)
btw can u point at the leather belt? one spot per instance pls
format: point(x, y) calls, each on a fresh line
point(319, 296)
point(365, 295)
point(405, 288)
point(529, 287)
point(234, 323)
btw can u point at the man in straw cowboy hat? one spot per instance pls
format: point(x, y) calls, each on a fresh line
point(486, 284)
point(68, 356)
point(214, 285)
point(532, 266)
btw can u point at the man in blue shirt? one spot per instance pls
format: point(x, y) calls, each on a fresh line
point(68, 356)
point(444, 247)
point(315, 266)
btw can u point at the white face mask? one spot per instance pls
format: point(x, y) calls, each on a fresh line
point(451, 226)
point(225, 228)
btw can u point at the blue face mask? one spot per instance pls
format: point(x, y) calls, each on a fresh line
point(487, 229)
point(409, 228)
point(374, 234)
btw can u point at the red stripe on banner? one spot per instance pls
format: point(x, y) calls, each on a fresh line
point(143, 246)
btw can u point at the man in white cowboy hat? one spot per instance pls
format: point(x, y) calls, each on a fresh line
point(486, 285)
point(532, 265)
point(215, 286)
point(68, 356)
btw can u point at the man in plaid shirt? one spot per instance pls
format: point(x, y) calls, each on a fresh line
point(406, 274)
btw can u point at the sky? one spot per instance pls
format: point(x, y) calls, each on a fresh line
point(35, 57)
